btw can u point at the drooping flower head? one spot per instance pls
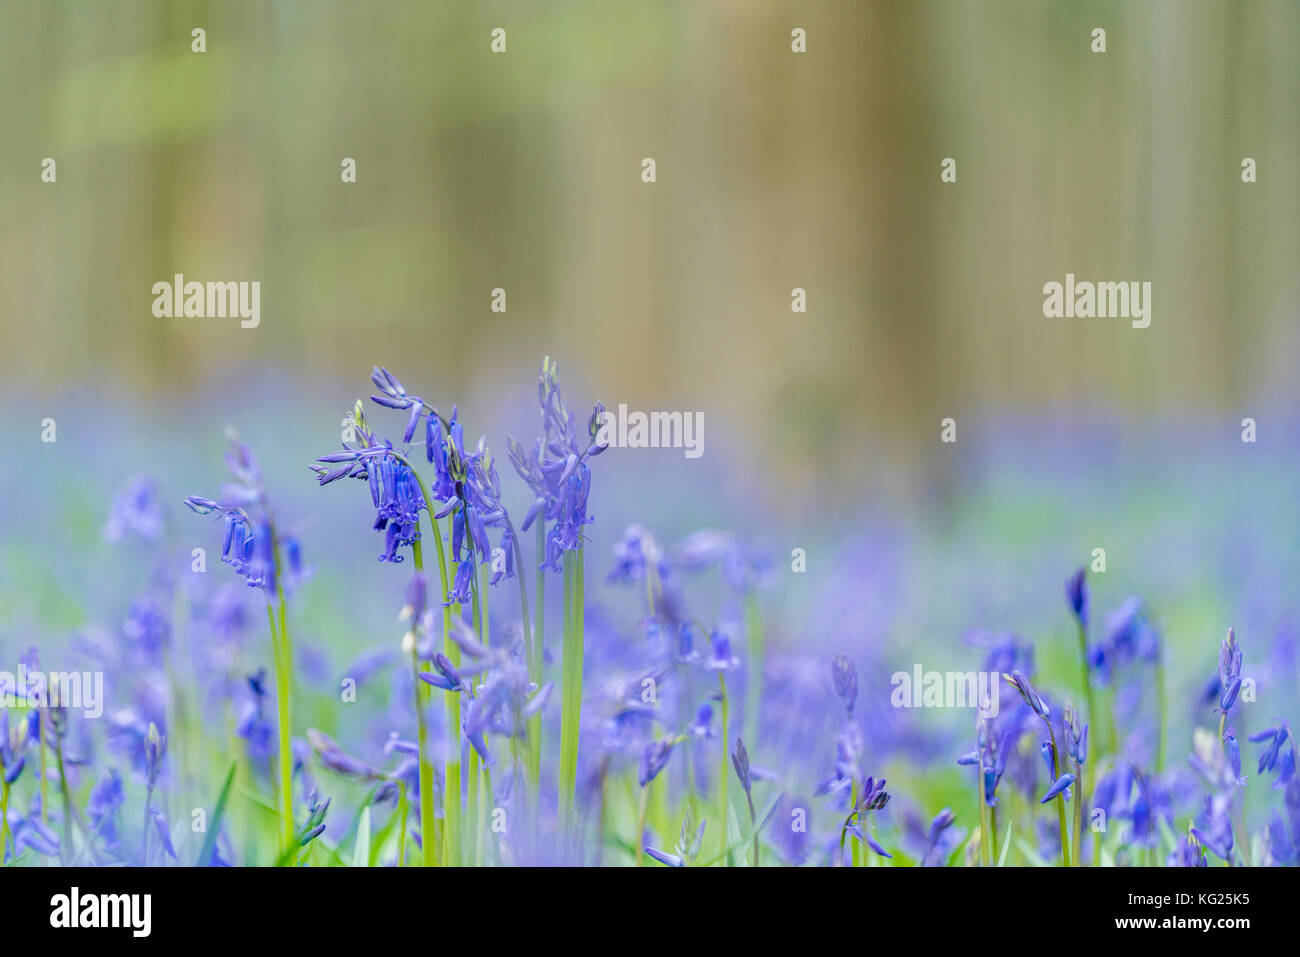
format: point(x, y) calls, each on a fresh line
point(654, 758)
point(394, 490)
point(555, 467)
point(1031, 697)
point(1279, 754)
point(251, 543)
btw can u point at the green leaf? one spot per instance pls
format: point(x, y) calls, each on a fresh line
point(214, 824)
point(749, 837)
point(1006, 845)
point(1030, 854)
point(361, 852)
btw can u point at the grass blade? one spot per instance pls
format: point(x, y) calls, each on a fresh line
point(214, 825)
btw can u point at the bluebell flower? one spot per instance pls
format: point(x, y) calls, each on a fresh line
point(164, 832)
point(720, 656)
point(556, 470)
point(314, 826)
point(989, 758)
point(1187, 853)
point(1076, 592)
point(394, 490)
point(137, 510)
point(128, 733)
point(254, 726)
point(654, 758)
point(1283, 833)
point(740, 761)
point(332, 756)
point(507, 701)
point(148, 627)
point(31, 833)
point(105, 799)
point(873, 797)
point(1060, 784)
point(848, 750)
point(1233, 751)
point(155, 746)
point(1273, 759)
point(941, 839)
point(13, 741)
point(1075, 736)
point(1022, 686)
point(1218, 840)
point(249, 544)
point(445, 675)
point(634, 553)
point(845, 676)
point(688, 847)
point(743, 569)
point(702, 726)
point(1129, 637)
point(1229, 672)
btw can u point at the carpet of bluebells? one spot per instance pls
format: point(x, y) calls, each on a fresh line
point(535, 674)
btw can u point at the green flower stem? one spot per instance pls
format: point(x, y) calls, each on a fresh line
point(993, 837)
point(753, 822)
point(1084, 677)
point(482, 821)
point(1238, 808)
point(477, 800)
point(44, 717)
point(1077, 855)
point(66, 792)
point(471, 810)
point(1112, 725)
point(723, 771)
point(638, 840)
point(148, 799)
point(571, 702)
point(428, 837)
point(1060, 798)
point(402, 807)
point(450, 844)
point(285, 794)
point(4, 818)
point(535, 664)
point(983, 812)
point(855, 849)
